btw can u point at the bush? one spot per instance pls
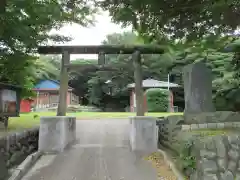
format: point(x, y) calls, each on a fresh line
point(157, 100)
point(180, 144)
point(186, 160)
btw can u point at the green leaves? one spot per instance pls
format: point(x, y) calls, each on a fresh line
point(157, 100)
point(24, 26)
point(188, 20)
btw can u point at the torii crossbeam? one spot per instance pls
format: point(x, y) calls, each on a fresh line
point(101, 50)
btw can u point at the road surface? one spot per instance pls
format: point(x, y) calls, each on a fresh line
point(101, 152)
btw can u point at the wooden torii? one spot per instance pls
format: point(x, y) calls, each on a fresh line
point(101, 50)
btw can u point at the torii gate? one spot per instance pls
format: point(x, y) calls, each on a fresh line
point(101, 50)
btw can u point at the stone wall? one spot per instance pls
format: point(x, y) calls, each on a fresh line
point(178, 137)
point(168, 129)
point(222, 125)
point(218, 158)
point(15, 147)
point(170, 126)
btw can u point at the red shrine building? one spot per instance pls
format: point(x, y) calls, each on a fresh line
point(151, 83)
point(47, 96)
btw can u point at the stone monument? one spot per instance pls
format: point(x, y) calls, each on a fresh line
point(197, 79)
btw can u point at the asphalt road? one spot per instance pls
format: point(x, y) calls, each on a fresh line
point(102, 152)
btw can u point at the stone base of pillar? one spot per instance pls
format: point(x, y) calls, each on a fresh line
point(56, 133)
point(143, 134)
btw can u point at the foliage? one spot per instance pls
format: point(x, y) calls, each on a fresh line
point(24, 26)
point(193, 31)
point(186, 161)
point(157, 100)
point(92, 88)
point(177, 19)
point(79, 79)
point(183, 148)
point(225, 86)
point(178, 143)
point(122, 72)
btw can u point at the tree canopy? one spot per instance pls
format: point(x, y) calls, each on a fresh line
point(223, 65)
point(191, 31)
point(176, 18)
point(25, 25)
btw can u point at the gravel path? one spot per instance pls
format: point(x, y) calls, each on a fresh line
point(101, 153)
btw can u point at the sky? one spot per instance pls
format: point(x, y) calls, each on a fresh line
point(93, 35)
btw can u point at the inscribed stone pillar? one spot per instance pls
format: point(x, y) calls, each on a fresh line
point(197, 88)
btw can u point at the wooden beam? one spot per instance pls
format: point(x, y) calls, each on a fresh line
point(80, 67)
point(96, 49)
point(138, 83)
point(62, 105)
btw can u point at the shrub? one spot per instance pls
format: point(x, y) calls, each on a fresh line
point(180, 144)
point(157, 100)
point(186, 160)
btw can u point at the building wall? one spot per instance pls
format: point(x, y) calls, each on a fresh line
point(133, 102)
point(25, 106)
point(132, 109)
point(46, 99)
point(49, 94)
point(73, 99)
point(42, 100)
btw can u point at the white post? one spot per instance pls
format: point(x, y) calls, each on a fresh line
point(168, 81)
point(169, 97)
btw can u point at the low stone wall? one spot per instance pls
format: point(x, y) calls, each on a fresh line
point(168, 129)
point(14, 148)
point(56, 133)
point(218, 158)
point(176, 135)
point(170, 126)
point(77, 108)
point(212, 117)
point(223, 125)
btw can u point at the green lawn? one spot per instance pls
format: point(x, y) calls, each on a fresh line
point(29, 120)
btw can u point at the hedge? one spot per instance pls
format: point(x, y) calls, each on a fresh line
point(157, 100)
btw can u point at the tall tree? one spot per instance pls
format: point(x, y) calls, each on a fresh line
point(122, 72)
point(176, 18)
point(26, 24)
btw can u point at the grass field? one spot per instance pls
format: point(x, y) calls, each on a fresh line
point(29, 120)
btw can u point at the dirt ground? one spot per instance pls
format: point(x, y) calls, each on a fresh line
point(164, 171)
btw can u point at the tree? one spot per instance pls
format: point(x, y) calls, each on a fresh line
point(45, 67)
point(122, 72)
point(91, 84)
point(25, 25)
point(178, 19)
point(79, 79)
point(223, 65)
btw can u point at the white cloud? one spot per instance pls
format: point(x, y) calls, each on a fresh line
point(91, 35)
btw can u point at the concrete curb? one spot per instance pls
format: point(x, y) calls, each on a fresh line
point(171, 165)
point(21, 170)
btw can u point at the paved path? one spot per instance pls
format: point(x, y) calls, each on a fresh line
point(101, 153)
